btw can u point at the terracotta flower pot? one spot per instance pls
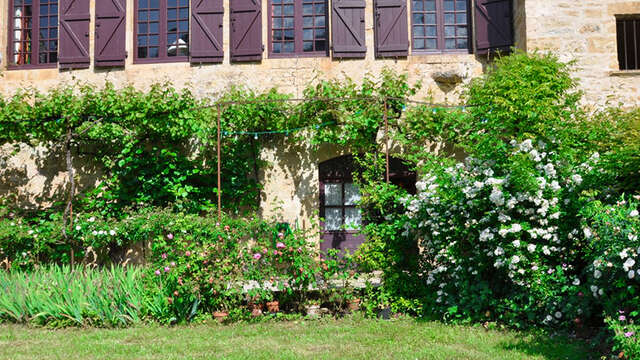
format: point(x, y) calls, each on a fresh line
point(353, 304)
point(220, 316)
point(273, 306)
point(256, 309)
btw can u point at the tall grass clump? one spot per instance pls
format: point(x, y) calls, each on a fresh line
point(58, 296)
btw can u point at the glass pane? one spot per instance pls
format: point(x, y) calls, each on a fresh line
point(430, 44)
point(351, 194)
point(352, 218)
point(307, 46)
point(307, 34)
point(449, 31)
point(461, 5)
point(461, 31)
point(417, 5)
point(332, 219)
point(333, 194)
point(461, 18)
point(418, 43)
point(448, 5)
point(288, 22)
point(319, 21)
point(450, 44)
point(321, 45)
point(430, 5)
point(288, 47)
point(418, 31)
point(307, 21)
point(432, 31)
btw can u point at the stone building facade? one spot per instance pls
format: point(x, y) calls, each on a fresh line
point(585, 31)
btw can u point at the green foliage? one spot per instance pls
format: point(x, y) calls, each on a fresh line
point(58, 296)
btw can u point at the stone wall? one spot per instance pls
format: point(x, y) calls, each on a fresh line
point(290, 183)
point(585, 31)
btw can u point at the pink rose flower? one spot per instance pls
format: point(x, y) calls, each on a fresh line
point(188, 253)
point(226, 228)
point(257, 256)
point(157, 272)
point(170, 236)
point(275, 252)
point(167, 269)
point(629, 334)
point(280, 245)
point(622, 318)
point(173, 264)
point(264, 251)
point(164, 255)
point(281, 235)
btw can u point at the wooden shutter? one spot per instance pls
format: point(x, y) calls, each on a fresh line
point(246, 30)
point(391, 28)
point(206, 31)
point(110, 42)
point(347, 29)
point(494, 26)
point(74, 34)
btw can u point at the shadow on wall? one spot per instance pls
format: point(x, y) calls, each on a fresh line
point(36, 177)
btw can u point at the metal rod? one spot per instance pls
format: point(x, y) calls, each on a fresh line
point(386, 136)
point(219, 177)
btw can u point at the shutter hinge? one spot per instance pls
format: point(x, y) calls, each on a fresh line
point(126, 54)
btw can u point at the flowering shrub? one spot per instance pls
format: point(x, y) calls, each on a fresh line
point(199, 265)
point(625, 336)
point(502, 243)
point(613, 263)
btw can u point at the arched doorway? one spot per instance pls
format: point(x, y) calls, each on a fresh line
point(339, 197)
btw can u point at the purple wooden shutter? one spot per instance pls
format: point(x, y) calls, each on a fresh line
point(206, 31)
point(391, 28)
point(494, 26)
point(74, 34)
point(110, 48)
point(246, 30)
point(347, 32)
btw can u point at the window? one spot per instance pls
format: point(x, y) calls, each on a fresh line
point(162, 30)
point(628, 31)
point(298, 27)
point(440, 25)
point(33, 33)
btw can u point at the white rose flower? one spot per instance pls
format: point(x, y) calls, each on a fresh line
point(112, 232)
point(531, 248)
point(92, 219)
point(597, 274)
point(94, 233)
point(631, 274)
point(600, 292)
point(576, 179)
point(628, 264)
point(515, 259)
point(78, 228)
point(558, 314)
point(576, 282)
point(634, 213)
point(516, 228)
point(516, 243)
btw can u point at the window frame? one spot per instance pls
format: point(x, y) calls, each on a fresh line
point(162, 33)
point(35, 39)
point(622, 20)
point(298, 32)
point(440, 38)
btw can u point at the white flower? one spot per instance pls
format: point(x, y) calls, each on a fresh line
point(497, 197)
point(576, 282)
point(600, 292)
point(78, 227)
point(594, 288)
point(545, 250)
point(628, 264)
point(92, 219)
point(516, 228)
point(558, 314)
point(531, 248)
point(597, 274)
point(623, 254)
point(516, 243)
point(576, 179)
point(499, 251)
point(515, 259)
point(550, 170)
point(634, 213)
point(548, 318)
point(631, 274)
point(486, 235)
point(587, 233)
point(30, 232)
point(112, 232)
point(94, 233)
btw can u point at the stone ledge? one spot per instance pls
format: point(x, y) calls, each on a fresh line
point(625, 73)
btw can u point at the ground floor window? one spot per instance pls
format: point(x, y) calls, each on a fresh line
point(339, 198)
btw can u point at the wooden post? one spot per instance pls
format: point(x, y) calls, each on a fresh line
point(386, 137)
point(68, 211)
point(219, 177)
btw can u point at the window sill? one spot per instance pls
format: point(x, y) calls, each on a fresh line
point(298, 56)
point(624, 73)
point(31, 67)
point(181, 59)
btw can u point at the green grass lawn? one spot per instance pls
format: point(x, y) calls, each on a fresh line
point(350, 338)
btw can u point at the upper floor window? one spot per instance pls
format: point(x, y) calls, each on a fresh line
point(298, 27)
point(628, 32)
point(440, 25)
point(162, 30)
point(33, 32)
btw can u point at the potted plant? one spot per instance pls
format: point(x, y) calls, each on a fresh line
point(257, 296)
point(353, 303)
point(312, 308)
point(273, 306)
point(226, 300)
